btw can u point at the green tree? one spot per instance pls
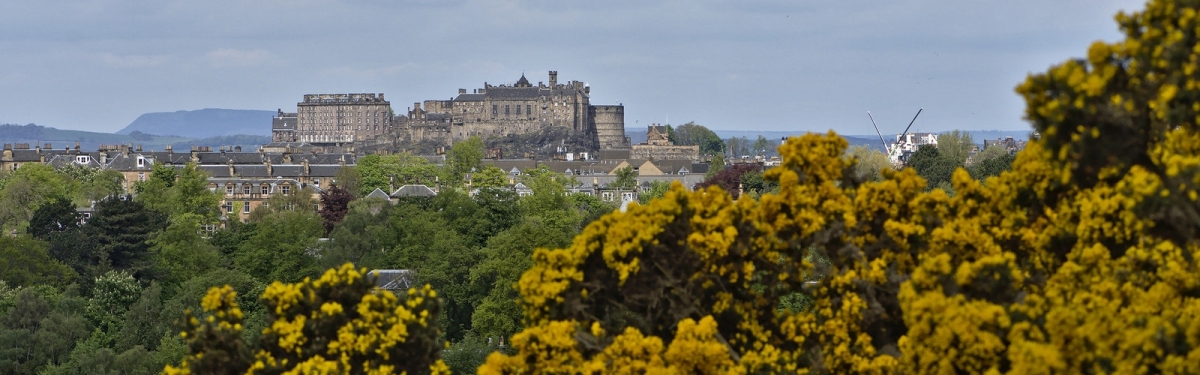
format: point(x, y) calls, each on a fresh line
point(955, 145)
point(55, 216)
point(182, 253)
point(122, 229)
point(25, 190)
point(392, 171)
point(626, 178)
point(348, 178)
point(26, 261)
point(464, 157)
point(870, 163)
point(933, 166)
point(764, 146)
point(298, 201)
point(489, 178)
point(716, 164)
point(282, 247)
point(657, 189)
point(692, 134)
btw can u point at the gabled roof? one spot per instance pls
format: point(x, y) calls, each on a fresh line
point(414, 191)
point(378, 193)
point(395, 280)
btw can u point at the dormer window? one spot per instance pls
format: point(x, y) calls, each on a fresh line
point(141, 162)
point(82, 159)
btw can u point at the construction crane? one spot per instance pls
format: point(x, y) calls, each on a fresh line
point(894, 151)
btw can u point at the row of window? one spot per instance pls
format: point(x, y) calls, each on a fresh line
point(264, 189)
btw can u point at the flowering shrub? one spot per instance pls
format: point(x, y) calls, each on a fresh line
point(1083, 258)
point(339, 323)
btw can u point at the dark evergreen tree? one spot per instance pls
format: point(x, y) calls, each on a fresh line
point(55, 216)
point(121, 228)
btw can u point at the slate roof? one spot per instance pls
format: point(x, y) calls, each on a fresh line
point(414, 191)
point(469, 98)
point(378, 193)
point(128, 162)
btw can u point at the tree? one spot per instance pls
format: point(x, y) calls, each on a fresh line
point(25, 261)
point(335, 202)
point(299, 201)
point(739, 146)
point(657, 190)
point(348, 178)
point(490, 177)
point(715, 165)
point(870, 162)
point(729, 179)
point(122, 228)
point(955, 145)
point(626, 178)
point(182, 253)
point(464, 157)
point(27, 188)
point(339, 323)
point(692, 134)
point(763, 146)
point(387, 172)
point(933, 166)
point(55, 216)
point(282, 248)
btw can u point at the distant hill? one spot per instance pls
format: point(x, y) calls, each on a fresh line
point(203, 123)
point(37, 135)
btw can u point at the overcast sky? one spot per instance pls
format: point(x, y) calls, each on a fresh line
point(730, 65)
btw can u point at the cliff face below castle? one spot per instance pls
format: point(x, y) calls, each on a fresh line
point(203, 123)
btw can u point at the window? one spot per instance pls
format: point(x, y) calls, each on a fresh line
point(627, 196)
point(285, 189)
point(228, 207)
point(142, 177)
point(506, 109)
point(266, 190)
point(527, 111)
point(246, 189)
point(245, 207)
point(228, 189)
point(141, 162)
point(606, 196)
point(494, 110)
point(316, 182)
point(81, 159)
point(518, 109)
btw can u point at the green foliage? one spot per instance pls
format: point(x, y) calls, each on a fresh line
point(40, 330)
point(693, 134)
point(282, 247)
point(934, 167)
point(489, 178)
point(121, 229)
point(955, 145)
point(112, 294)
point(298, 201)
point(182, 253)
point(716, 164)
point(392, 171)
point(26, 189)
point(26, 261)
point(626, 178)
point(56, 215)
point(764, 146)
point(464, 157)
point(348, 178)
point(991, 162)
point(869, 163)
point(657, 189)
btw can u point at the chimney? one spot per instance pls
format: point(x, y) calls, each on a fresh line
point(553, 78)
point(237, 148)
point(139, 148)
point(76, 145)
point(462, 91)
point(270, 170)
point(230, 164)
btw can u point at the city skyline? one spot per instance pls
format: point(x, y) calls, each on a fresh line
point(762, 65)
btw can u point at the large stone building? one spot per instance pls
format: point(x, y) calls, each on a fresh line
point(491, 111)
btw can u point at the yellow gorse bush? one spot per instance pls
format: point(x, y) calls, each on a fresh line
point(339, 323)
point(1083, 258)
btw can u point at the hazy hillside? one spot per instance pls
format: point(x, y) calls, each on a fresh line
point(90, 141)
point(203, 123)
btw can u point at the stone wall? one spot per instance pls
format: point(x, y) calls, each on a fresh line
point(665, 152)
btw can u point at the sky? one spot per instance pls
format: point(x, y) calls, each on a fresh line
point(729, 65)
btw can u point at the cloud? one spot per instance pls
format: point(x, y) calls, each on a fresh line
point(133, 61)
point(228, 57)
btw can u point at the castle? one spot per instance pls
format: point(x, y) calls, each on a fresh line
point(350, 121)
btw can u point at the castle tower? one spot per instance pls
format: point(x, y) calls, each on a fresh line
point(553, 78)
